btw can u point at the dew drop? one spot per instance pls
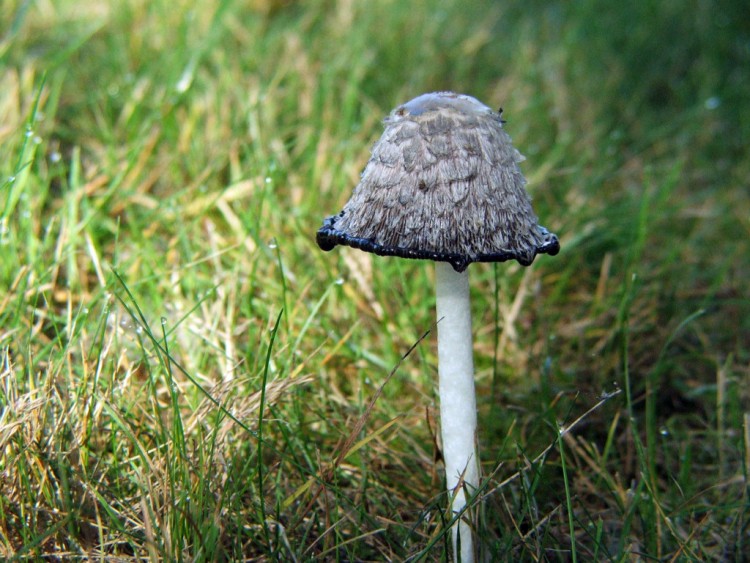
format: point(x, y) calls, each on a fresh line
point(269, 180)
point(272, 243)
point(29, 133)
point(4, 230)
point(164, 321)
point(11, 179)
point(339, 281)
point(37, 140)
point(55, 157)
point(139, 330)
point(663, 431)
point(183, 84)
point(712, 103)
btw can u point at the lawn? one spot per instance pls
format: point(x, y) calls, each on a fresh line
point(185, 375)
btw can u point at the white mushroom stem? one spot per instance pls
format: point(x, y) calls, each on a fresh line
point(458, 405)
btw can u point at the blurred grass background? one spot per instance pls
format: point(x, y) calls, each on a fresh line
point(185, 376)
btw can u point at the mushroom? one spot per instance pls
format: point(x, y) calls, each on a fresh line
point(443, 184)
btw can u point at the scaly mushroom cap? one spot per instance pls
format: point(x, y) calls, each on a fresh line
point(443, 184)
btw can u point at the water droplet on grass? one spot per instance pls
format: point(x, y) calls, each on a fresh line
point(4, 230)
point(55, 157)
point(712, 103)
point(184, 83)
point(339, 281)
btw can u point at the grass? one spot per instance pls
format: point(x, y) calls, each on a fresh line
point(185, 376)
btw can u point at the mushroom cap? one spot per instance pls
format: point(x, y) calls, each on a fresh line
point(442, 184)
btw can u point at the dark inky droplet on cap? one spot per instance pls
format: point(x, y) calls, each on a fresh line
point(442, 184)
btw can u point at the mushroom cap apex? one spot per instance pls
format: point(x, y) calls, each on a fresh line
point(433, 101)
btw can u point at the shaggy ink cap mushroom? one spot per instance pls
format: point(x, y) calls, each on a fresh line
point(443, 184)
